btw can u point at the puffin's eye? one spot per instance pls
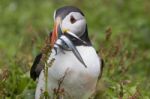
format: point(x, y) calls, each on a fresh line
point(72, 19)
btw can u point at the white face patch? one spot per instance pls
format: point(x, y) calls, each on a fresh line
point(75, 23)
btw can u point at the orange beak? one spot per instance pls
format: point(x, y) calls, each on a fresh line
point(54, 36)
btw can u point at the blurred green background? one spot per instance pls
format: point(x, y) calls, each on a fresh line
point(119, 30)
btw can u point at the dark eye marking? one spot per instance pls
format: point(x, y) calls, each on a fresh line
point(72, 19)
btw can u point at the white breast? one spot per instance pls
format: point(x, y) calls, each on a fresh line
point(79, 81)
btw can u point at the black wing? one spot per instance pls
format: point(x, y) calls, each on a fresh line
point(36, 67)
point(38, 64)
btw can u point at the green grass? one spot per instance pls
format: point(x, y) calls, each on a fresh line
point(126, 52)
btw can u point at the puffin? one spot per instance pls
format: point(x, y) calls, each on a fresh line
point(77, 67)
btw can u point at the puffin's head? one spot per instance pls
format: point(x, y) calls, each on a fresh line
point(68, 19)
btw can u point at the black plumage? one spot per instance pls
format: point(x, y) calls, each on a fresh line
point(36, 67)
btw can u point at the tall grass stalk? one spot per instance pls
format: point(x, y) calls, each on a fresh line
point(46, 53)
